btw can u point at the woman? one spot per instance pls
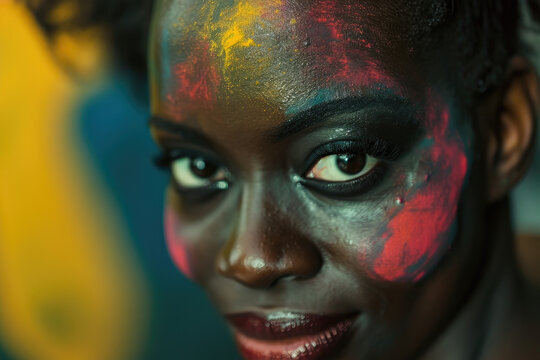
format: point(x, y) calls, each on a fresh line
point(341, 171)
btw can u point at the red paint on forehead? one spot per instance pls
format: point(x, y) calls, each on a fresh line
point(196, 79)
point(176, 245)
point(420, 230)
point(342, 42)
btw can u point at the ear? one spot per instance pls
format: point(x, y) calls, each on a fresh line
point(510, 143)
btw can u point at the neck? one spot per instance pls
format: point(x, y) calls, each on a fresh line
point(478, 326)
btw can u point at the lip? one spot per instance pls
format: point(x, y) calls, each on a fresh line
point(290, 335)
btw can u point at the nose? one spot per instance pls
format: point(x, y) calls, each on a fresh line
point(266, 246)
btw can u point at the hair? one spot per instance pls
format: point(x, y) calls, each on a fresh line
point(126, 23)
point(487, 30)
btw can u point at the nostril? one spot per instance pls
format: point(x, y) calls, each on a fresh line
point(286, 278)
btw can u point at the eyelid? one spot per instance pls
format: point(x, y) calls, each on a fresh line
point(370, 163)
point(375, 147)
point(369, 108)
point(381, 149)
point(347, 189)
point(164, 159)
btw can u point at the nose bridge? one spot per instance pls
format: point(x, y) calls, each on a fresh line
point(265, 246)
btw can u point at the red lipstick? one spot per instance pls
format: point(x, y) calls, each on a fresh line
point(287, 335)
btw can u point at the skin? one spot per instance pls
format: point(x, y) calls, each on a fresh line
point(258, 86)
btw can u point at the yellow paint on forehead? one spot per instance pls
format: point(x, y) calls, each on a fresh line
point(233, 28)
point(238, 35)
point(235, 24)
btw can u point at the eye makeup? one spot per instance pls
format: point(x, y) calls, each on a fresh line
point(346, 189)
point(377, 110)
point(376, 148)
point(371, 125)
point(351, 126)
point(421, 227)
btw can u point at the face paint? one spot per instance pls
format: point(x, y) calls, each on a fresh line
point(197, 80)
point(421, 227)
point(276, 71)
point(175, 244)
point(219, 52)
point(337, 36)
point(232, 30)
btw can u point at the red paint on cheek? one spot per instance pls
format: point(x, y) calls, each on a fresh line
point(420, 230)
point(341, 41)
point(196, 79)
point(175, 244)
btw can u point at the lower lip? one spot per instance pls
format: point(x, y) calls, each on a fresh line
point(309, 347)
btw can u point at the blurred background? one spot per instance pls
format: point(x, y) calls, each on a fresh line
point(84, 272)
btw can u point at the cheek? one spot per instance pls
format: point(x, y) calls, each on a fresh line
point(421, 228)
point(176, 245)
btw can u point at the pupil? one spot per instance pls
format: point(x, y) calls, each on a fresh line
point(351, 163)
point(202, 168)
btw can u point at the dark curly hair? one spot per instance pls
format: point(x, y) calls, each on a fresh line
point(488, 30)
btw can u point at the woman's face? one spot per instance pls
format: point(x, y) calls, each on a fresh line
point(319, 174)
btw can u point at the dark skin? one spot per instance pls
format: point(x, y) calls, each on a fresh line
point(266, 216)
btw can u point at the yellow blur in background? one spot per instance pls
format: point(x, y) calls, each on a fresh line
point(70, 287)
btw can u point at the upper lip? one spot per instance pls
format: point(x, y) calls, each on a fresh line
point(284, 325)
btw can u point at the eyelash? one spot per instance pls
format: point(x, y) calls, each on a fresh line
point(164, 161)
point(377, 148)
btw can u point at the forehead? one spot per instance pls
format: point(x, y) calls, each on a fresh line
point(278, 55)
point(232, 23)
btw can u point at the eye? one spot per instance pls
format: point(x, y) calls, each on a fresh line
point(192, 173)
point(342, 167)
point(348, 168)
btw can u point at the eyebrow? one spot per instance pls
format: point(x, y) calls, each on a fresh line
point(303, 120)
point(321, 112)
point(185, 132)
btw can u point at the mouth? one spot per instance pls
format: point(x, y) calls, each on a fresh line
point(288, 335)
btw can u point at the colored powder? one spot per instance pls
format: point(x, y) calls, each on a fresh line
point(197, 79)
point(419, 231)
point(231, 29)
point(337, 37)
point(321, 96)
point(176, 245)
point(234, 25)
